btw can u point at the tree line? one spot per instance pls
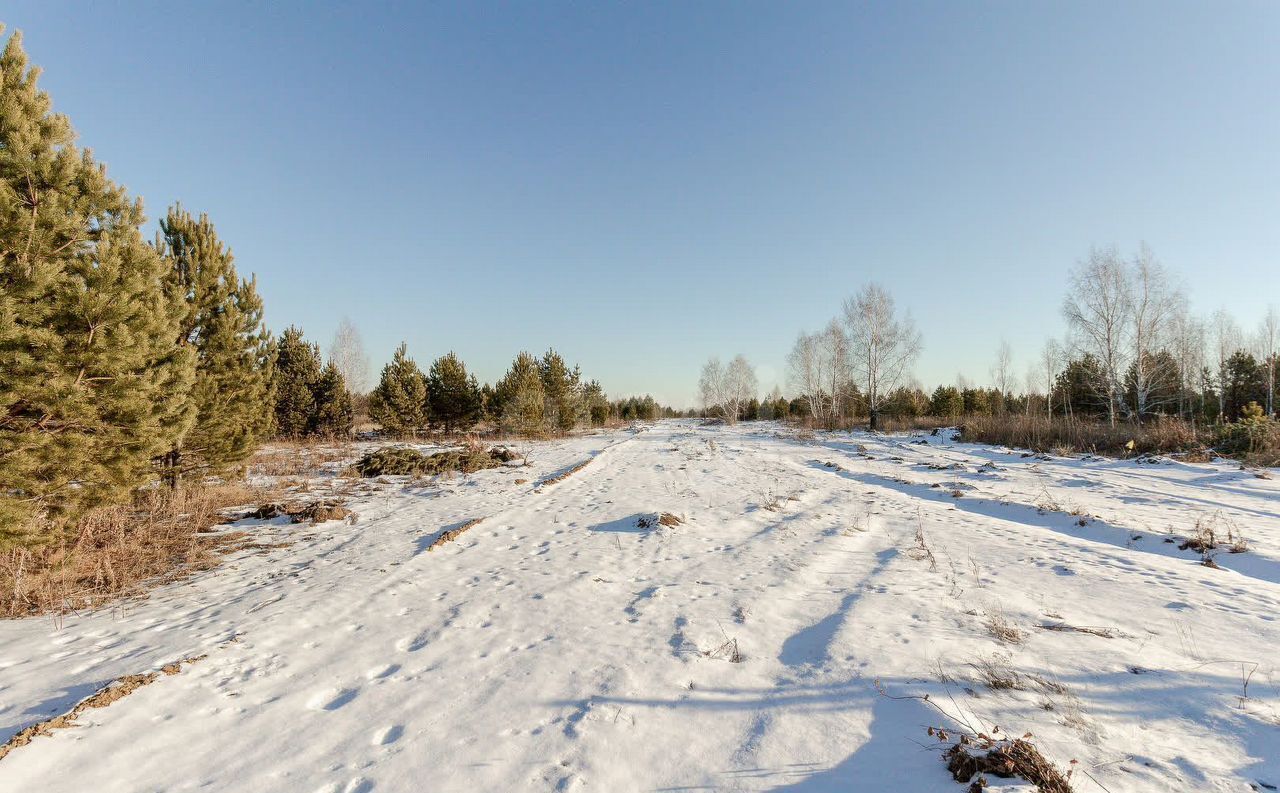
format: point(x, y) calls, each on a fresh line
point(1133, 352)
point(125, 360)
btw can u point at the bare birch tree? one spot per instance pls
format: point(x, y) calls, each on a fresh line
point(711, 386)
point(1002, 371)
point(834, 348)
point(806, 371)
point(1097, 308)
point(740, 386)
point(1226, 340)
point(1050, 358)
point(1268, 347)
point(882, 345)
point(1187, 347)
point(725, 391)
point(1156, 302)
point(347, 353)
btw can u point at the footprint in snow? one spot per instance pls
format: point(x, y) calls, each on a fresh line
point(332, 698)
point(411, 644)
point(379, 672)
point(387, 735)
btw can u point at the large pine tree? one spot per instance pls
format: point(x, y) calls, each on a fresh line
point(333, 414)
point(223, 324)
point(519, 401)
point(297, 372)
point(399, 403)
point(562, 391)
point(453, 396)
point(92, 386)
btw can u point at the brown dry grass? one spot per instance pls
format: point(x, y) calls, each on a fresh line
point(1018, 758)
point(299, 458)
point(1042, 434)
point(565, 474)
point(452, 534)
point(122, 551)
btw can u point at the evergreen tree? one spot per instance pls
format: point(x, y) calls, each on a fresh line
point(799, 408)
point(1244, 381)
point(487, 405)
point(946, 401)
point(561, 391)
point(222, 322)
point(454, 397)
point(92, 387)
point(333, 414)
point(597, 404)
point(399, 403)
point(1078, 390)
point(519, 397)
point(297, 371)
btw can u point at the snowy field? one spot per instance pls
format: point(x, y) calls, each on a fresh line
point(560, 645)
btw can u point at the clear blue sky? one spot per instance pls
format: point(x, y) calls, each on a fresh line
point(642, 185)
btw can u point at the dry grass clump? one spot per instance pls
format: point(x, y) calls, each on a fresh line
point(404, 461)
point(996, 673)
point(1062, 627)
point(1006, 758)
point(308, 512)
point(297, 458)
point(659, 519)
point(121, 551)
point(452, 534)
point(116, 690)
point(1212, 533)
point(1002, 630)
point(565, 474)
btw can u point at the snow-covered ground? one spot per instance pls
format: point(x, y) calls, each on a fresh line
point(559, 645)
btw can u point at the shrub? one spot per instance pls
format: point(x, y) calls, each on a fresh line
point(1043, 434)
point(1255, 437)
point(403, 461)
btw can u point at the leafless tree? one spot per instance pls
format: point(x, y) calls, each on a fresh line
point(347, 353)
point(725, 390)
point(711, 386)
point(1032, 380)
point(1098, 308)
point(1002, 371)
point(806, 370)
point(1156, 302)
point(1226, 340)
point(1268, 347)
point(1050, 361)
point(741, 385)
point(1187, 346)
point(835, 349)
point(882, 345)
